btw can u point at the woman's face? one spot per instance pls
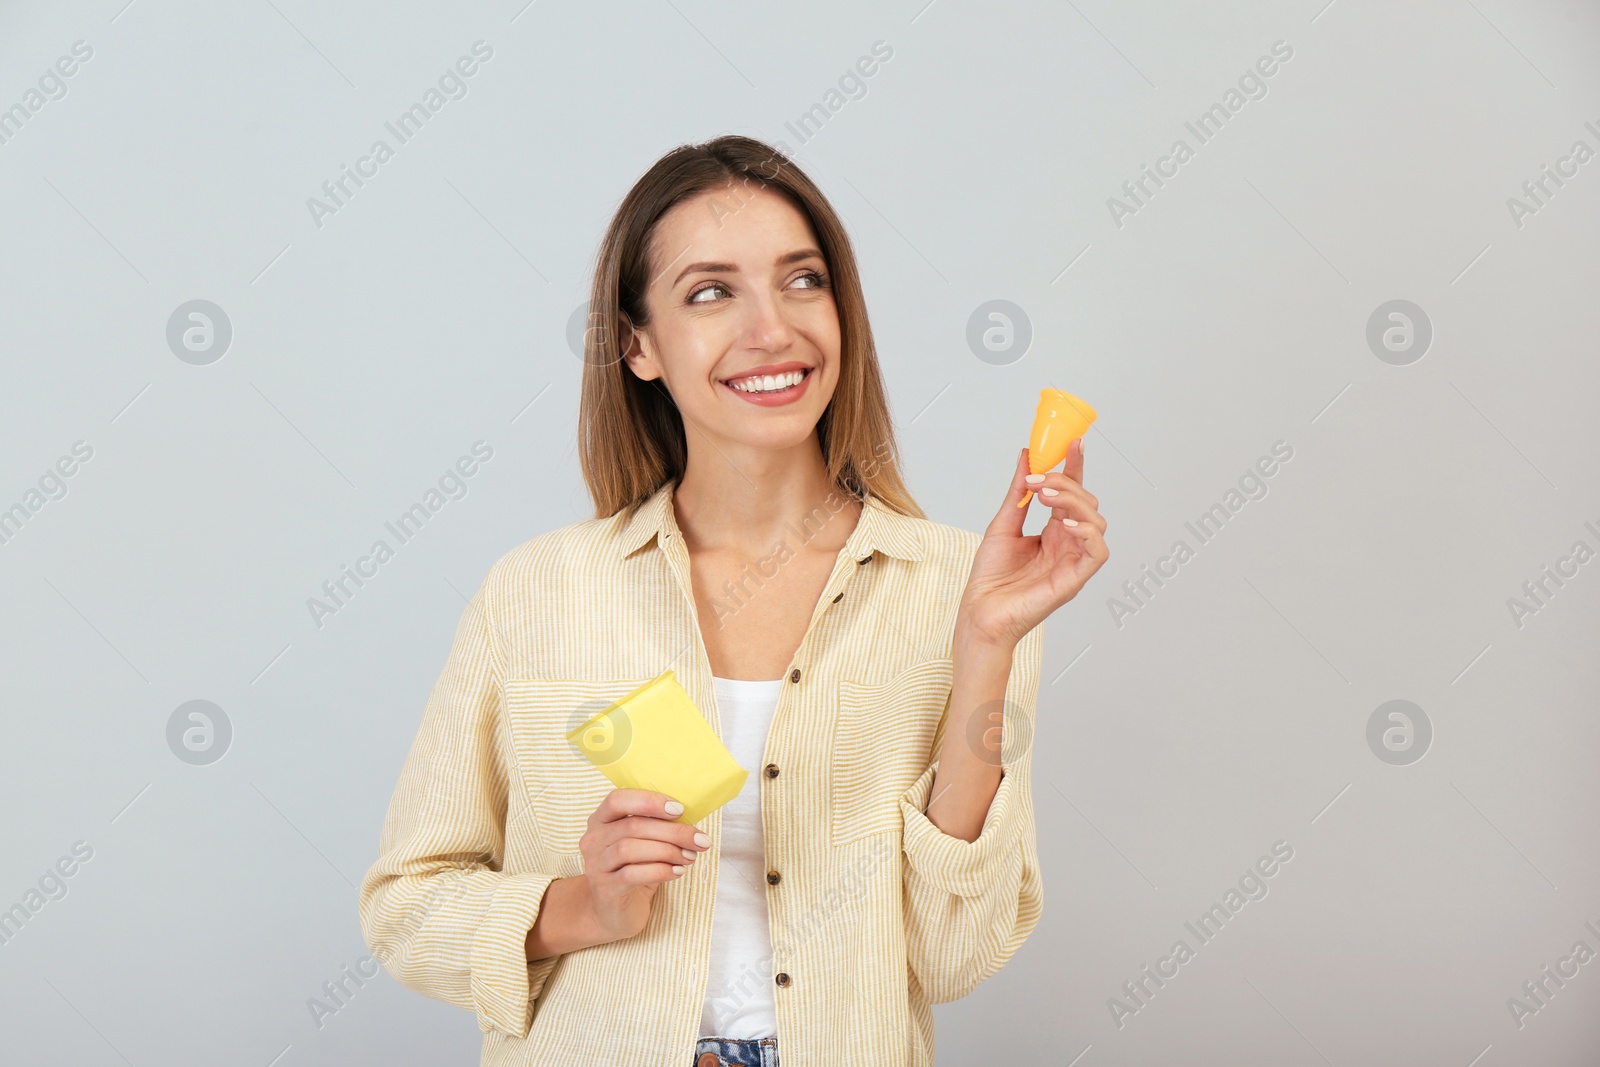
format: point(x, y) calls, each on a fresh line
point(740, 288)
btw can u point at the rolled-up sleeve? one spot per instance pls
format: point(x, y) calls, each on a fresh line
point(970, 905)
point(436, 908)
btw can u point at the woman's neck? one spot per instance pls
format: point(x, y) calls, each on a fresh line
point(748, 508)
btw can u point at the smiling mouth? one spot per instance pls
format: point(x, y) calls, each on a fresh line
point(762, 384)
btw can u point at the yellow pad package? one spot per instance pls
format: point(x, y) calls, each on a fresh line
point(655, 738)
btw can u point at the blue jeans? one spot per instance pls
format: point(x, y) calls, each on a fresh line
point(751, 1052)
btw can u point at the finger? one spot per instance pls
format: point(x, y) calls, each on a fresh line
point(621, 803)
point(1067, 506)
point(1062, 482)
point(1057, 489)
point(651, 873)
point(639, 851)
point(633, 874)
point(1012, 514)
point(1091, 542)
point(677, 834)
point(1073, 467)
point(1066, 491)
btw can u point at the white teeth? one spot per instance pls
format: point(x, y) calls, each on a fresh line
point(768, 383)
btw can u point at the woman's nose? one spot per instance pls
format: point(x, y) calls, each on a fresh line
point(767, 327)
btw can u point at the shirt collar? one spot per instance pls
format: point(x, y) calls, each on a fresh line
point(881, 529)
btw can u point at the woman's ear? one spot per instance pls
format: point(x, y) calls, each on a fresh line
point(637, 350)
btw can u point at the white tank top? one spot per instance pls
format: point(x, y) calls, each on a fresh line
point(738, 1000)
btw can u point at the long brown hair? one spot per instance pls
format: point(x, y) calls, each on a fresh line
point(630, 433)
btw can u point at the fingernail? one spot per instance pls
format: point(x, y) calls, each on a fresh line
point(1034, 479)
point(686, 853)
point(674, 808)
point(1069, 522)
point(703, 840)
point(1047, 491)
point(677, 868)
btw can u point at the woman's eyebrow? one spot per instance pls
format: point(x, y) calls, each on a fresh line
point(714, 268)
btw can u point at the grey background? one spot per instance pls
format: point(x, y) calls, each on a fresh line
point(430, 312)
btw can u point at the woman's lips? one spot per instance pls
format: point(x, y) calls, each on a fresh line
point(775, 399)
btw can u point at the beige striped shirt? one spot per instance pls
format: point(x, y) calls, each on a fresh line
point(875, 913)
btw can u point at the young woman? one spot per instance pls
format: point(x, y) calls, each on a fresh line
point(874, 671)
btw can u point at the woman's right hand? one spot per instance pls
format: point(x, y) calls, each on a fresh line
point(633, 844)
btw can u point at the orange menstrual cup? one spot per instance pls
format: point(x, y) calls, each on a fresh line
point(1061, 419)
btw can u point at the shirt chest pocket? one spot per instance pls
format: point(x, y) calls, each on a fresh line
point(563, 787)
point(883, 741)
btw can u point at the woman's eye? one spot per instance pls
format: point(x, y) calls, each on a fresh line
point(817, 278)
point(694, 297)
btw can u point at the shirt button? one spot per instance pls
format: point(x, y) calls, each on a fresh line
point(838, 598)
point(794, 675)
point(865, 559)
point(773, 877)
point(782, 978)
point(772, 770)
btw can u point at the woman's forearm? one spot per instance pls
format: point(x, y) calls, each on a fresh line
point(566, 920)
point(969, 756)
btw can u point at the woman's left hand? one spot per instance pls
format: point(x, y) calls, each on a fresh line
point(1017, 581)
